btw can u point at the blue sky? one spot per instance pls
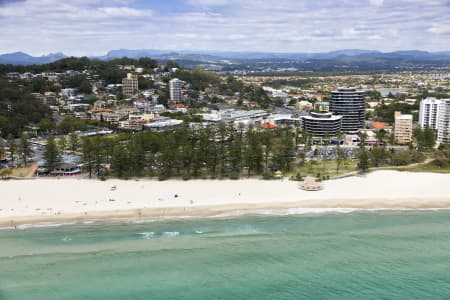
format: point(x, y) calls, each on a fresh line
point(92, 27)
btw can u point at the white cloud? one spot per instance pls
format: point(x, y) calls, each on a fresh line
point(124, 12)
point(93, 27)
point(376, 2)
point(208, 2)
point(439, 29)
point(375, 37)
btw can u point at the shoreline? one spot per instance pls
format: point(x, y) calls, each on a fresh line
point(54, 201)
point(222, 211)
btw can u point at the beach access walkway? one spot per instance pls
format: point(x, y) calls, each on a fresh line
point(32, 170)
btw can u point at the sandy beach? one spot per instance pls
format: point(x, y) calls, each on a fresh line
point(74, 200)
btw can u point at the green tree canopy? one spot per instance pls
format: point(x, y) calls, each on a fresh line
point(51, 153)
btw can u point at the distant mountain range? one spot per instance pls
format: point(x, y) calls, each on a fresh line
point(211, 57)
point(21, 58)
point(273, 55)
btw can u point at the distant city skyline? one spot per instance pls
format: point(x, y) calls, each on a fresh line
point(82, 27)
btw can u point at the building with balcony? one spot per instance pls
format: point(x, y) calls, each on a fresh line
point(429, 113)
point(175, 88)
point(403, 128)
point(349, 103)
point(443, 128)
point(130, 85)
point(322, 124)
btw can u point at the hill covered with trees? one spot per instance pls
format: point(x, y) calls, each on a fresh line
point(18, 108)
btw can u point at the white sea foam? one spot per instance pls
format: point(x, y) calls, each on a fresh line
point(158, 219)
point(44, 225)
point(287, 212)
point(88, 222)
point(147, 235)
point(170, 234)
point(230, 214)
point(6, 228)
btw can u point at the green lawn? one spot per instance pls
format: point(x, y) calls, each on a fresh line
point(313, 168)
point(429, 167)
point(21, 172)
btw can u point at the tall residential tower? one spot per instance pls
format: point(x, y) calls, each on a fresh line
point(349, 103)
point(175, 86)
point(130, 84)
point(403, 130)
point(429, 113)
point(443, 133)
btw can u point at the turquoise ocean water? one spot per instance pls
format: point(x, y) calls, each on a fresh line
point(359, 255)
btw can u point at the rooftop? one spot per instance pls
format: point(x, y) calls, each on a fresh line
point(379, 125)
point(322, 116)
point(404, 117)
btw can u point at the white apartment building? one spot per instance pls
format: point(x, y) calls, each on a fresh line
point(443, 135)
point(435, 113)
point(106, 117)
point(130, 84)
point(176, 94)
point(429, 113)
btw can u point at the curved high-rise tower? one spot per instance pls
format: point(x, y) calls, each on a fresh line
point(349, 103)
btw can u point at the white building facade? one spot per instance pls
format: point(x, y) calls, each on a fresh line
point(435, 114)
point(429, 113)
point(175, 87)
point(443, 132)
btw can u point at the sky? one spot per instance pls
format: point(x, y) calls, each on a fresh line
point(93, 27)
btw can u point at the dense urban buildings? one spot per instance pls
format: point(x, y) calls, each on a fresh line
point(443, 135)
point(403, 128)
point(175, 86)
point(130, 85)
point(349, 103)
point(429, 113)
point(90, 99)
point(322, 124)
